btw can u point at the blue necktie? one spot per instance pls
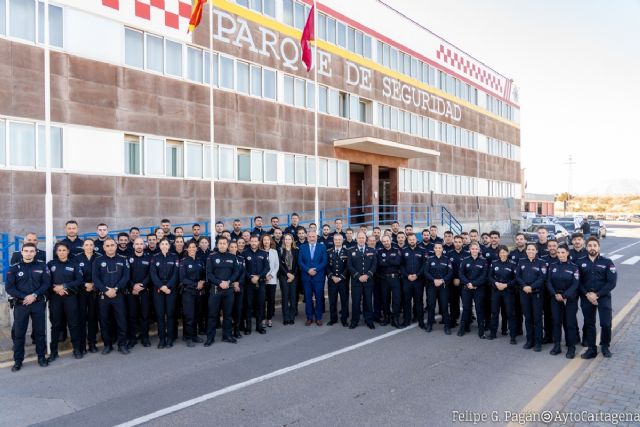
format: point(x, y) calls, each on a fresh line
point(313, 249)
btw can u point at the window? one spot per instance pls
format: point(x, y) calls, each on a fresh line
point(244, 165)
point(269, 8)
point(269, 84)
point(257, 165)
point(344, 105)
point(133, 48)
point(322, 163)
point(195, 161)
point(154, 156)
point(359, 47)
point(299, 94)
point(332, 174)
point(207, 70)
point(288, 90)
point(270, 167)
point(22, 144)
point(23, 19)
point(367, 47)
point(310, 95)
point(132, 155)
point(206, 155)
point(343, 174)
point(289, 169)
point(287, 12)
point(311, 171)
point(299, 17)
point(3, 133)
point(227, 163)
point(334, 102)
point(242, 77)
point(3, 17)
point(195, 65)
point(322, 26)
point(342, 35)
point(173, 64)
point(55, 24)
point(256, 81)
point(322, 100)
point(300, 170)
point(226, 73)
point(351, 43)
point(331, 30)
point(56, 147)
point(155, 53)
point(174, 158)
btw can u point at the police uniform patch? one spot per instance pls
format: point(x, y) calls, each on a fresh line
point(384, 255)
point(554, 270)
point(217, 260)
point(612, 269)
point(69, 268)
point(584, 264)
point(53, 268)
point(157, 264)
point(81, 264)
point(248, 258)
point(131, 260)
point(21, 273)
point(433, 263)
point(354, 254)
point(497, 268)
point(104, 264)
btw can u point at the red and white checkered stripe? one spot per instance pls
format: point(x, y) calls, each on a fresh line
point(471, 69)
point(173, 14)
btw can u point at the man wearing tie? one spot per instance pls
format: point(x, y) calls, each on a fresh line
point(362, 267)
point(313, 261)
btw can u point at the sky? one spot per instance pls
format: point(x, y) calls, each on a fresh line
point(577, 67)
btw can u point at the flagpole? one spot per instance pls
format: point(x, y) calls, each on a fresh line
point(48, 197)
point(315, 114)
point(212, 205)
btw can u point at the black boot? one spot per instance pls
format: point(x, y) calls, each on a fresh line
point(248, 326)
point(571, 352)
point(591, 353)
point(236, 332)
point(461, 329)
point(605, 351)
point(556, 349)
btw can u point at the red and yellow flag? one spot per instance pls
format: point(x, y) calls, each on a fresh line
point(196, 14)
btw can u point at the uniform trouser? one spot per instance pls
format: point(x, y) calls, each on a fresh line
point(270, 296)
point(238, 300)
point(361, 296)
point(289, 298)
point(475, 297)
point(314, 287)
point(391, 291)
point(177, 292)
point(189, 300)
point(202, 309)
point(547, 318)
point(166, 311)
point(413, 291)
point(454, 303)
point(254, 302)
point(486, 308)
point(87, 316)
point(503, 301)
point(532, 310)
point(517, 312)
point(138, 310)
point(21, 314)
point(220, 299)
point(604, 312)
point(116, 305)
point(342, 289)
point(378, 298)
point(59, 307)
point(440, 294)
point(565, 315)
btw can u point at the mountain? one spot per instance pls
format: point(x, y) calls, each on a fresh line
point(615, 187)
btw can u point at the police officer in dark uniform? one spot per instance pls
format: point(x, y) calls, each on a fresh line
point(338, 278)
point(27, 283)
point(202, 299)
point(110, 277)
point(137, 295)
point(123, 245)
point(164, 276)
point(257, 267)
point(257, 229)
point(293, 226)
point(413, 257)
point(516, 254)
point(576, 255)
point(192, 277)
point(103, 234)
point(598, 278)
point(222, 271)
point(502, 277)
point(438, 272)
point(362, 267)
point(236, 248)
point(547, 319)
point(32, 238)
point(541, 244)
point(490, 254)
point(388, 269)
point(563, 283)
point(87, 298)
point(73, 242)
point(349, 242)
point(473, 277)
point(585, 227)
point(531, 275)
point(165, 225)
point(236, 231)
point(66, 278)
point(456, 256)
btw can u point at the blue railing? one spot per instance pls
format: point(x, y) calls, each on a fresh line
point(369, 215)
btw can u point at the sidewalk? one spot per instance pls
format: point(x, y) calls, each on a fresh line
point(607, 385)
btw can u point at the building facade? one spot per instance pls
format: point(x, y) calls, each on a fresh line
point(539, 204)
point(404, 116)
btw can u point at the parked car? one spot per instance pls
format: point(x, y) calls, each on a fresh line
point(540, 220)
point(634, 218)
point(556, 232)
point(569, 225)
point(598, 229)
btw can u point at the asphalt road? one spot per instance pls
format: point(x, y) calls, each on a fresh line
point(403, 378)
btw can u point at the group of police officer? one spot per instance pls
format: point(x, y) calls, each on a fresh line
point(123, 284)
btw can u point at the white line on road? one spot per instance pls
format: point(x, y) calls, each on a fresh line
point(244, 384)
point(631, 260)
point(615, 257)
point(623, 248)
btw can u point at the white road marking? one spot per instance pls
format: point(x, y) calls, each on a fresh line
point(615, 257)
point(623, 248)
point(244, 384)
point(631, 260)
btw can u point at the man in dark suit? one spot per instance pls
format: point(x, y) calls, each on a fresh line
point(313, 261)
point(362, 267)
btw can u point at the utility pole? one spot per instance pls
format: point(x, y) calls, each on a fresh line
point(570, 162)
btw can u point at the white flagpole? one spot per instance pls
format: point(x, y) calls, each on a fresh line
point(48, 198)
point(315, 113)
point(212, 204)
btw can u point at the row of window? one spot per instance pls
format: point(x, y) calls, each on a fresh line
point(419, 181)
point(22, 144)
point(503, 149)
point(23, 20)
point(265, 7)
point(151, 156)
point(499, 107)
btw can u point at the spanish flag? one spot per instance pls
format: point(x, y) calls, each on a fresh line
point(196, 14)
